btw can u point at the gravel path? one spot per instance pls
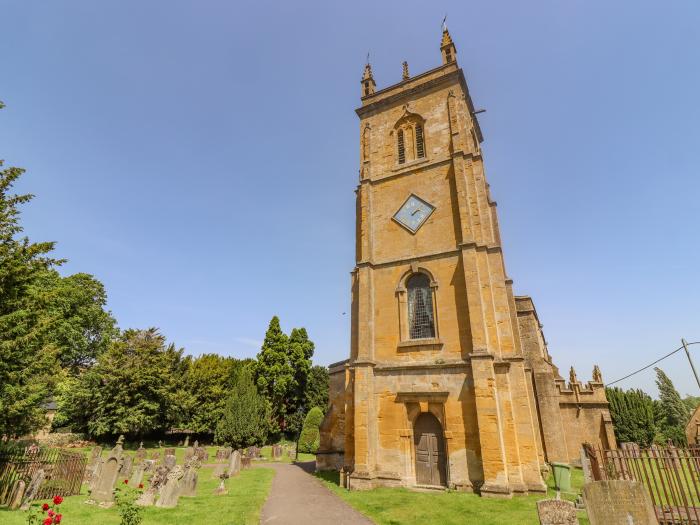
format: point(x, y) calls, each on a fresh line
point(297, 498)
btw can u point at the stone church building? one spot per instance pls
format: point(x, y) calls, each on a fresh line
point(449, 381)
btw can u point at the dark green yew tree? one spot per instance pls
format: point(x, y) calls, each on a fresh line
point(632, 413)
point(310, 436)
point(245, 416)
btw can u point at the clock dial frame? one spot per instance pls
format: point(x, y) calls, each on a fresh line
point(413, 213)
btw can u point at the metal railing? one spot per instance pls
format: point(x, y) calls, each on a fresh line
point(63, 471)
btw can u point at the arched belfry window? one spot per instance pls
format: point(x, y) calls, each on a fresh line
point(421, 324)
point(410, 137)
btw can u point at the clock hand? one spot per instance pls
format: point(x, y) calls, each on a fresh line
point(415, 211)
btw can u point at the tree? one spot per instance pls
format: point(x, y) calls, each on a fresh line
point(274, 375)
point(310, 437)
point(245, 419)
point(672, 413)
point(72, 312)
point(317, 388)
point(632, 412)
point(132, 389)
point(208, 382)
point(28, 365)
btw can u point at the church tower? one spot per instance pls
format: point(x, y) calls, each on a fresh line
point(438, 390)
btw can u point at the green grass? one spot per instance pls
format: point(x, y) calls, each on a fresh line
point(241, 506)
point(403, 507)
point(266, 453)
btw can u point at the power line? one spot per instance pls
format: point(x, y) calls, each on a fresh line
point(650, 365)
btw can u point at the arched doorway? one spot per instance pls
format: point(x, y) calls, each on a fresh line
point(430, 451)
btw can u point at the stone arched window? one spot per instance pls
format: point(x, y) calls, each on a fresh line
point(421, 322)
point(410, 138)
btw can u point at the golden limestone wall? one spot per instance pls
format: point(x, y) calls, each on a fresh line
point(476, 377)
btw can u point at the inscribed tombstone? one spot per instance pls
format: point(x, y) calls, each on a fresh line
point(104, 486)
point(33, 489)
point(618, 502)
point(170, 492)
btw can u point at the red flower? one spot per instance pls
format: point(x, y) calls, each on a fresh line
point(57, 518)
point(126, 482)
point(140, 485)
point(48, 521)
point(57, 500)
point(45, 507)
point(51, 514)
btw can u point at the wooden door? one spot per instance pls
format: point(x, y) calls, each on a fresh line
point(430, 451)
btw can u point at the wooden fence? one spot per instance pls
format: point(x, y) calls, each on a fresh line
point(670, 474)
point(63, 471)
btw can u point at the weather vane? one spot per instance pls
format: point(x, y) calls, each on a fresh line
point(444, 23)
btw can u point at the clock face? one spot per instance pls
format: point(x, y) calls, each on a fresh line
point(414, 212)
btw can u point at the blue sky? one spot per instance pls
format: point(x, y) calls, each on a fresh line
point(200, 159)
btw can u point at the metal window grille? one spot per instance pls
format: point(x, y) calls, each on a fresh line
point(420, 307)
point(402, 149)
point(420, 145)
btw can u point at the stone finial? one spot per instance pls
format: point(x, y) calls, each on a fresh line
point(368, 83)
point(447, 47)
point(405, 75)
point(572, 376)
point(597, 375)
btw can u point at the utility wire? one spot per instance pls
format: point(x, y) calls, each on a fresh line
point(651, 364)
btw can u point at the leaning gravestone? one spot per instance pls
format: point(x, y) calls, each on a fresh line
point(234, 464)
point(170, 492)
point(125, 469)
point(33, 489)
point(556, 512)
point(188, 484)
point(104, 487)
point(148, 497)
point(16, 495)
point(149, 465)
point(95, 457)
point(618, 502)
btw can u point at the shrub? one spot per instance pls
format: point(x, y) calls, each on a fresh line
point(310, 437)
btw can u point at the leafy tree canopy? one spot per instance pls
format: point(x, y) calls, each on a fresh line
point(672, 414)
point(245, 420)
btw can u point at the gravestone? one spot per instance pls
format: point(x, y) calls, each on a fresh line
point(137, 476)
point(221, 489)
point(104, 487)
point(219, 470)
point(169, 452)
point(95, 474)
point(201, 454)
point(149, 465)
point(187, 441)
point(234, 464)
point(16, 495)
point(586, 466)
point(155, 456)
point(170, 491)
point(125, 469)
point(556, 512)
point(95, 457)
point(223, 453)
point(33, 489)
point(245, 462)
point(618, 502)
point(189, 453)
point(140, 454)
point(188, 484)
point(196, 443)
point(170, 461)
point(148, 497)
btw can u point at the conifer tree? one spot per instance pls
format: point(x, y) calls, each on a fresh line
point(310, 436)
point(673, 414)
point(245, 419)
point(274, 375)
point(632, 412)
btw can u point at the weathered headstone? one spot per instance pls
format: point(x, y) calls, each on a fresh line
point(188, 484)
point(219, 470)
point(170, 461)
point(140, 454)
point(201, 454)
point(103, 492)
point(196, 443)
point(556, 512)
point(586, 466)
point(245, 462)
point(618, 502)
point(148, 497)
point(187, 441)
point(170, 492)
point(137, 475)
point(95, 474)
point(17, 495)
point(95, 457)
point(223, 453)
point(155, 456)
point(149, 465)
point(189, 453)
point(125, 469)
point(169, 452)
point(234, 464)
point(33, 489)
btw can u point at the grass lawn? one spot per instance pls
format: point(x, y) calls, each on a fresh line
point(404, 507)
point(241, 506)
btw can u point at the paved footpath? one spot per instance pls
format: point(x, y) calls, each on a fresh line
point(298, 498)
